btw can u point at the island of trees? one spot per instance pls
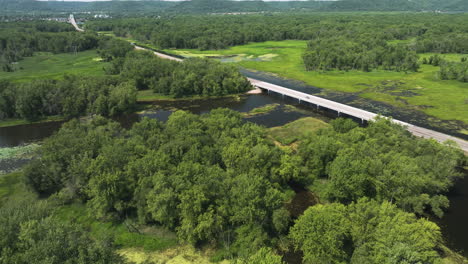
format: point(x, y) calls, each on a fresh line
point(218, 180)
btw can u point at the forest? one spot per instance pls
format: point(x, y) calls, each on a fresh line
point(110, 95)
point(22, 39)
point(342, 42)
point(218, 180)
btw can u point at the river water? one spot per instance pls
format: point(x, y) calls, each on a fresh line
point(453, 224)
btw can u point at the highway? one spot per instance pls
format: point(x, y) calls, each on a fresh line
point(328, 104)
point(159, 54)
point(72, 21)
point(355, 112)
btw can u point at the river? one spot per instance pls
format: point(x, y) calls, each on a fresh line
point(453, 224)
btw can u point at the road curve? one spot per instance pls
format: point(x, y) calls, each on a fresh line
point(72, 21)
point(159, 54)
point(325, 103)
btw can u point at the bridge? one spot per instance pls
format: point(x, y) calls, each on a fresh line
point(319, 102)
point(363, 115)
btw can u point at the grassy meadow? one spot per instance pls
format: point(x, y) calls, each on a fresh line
point(296, 130)
point(46, 65)
point(421, 90)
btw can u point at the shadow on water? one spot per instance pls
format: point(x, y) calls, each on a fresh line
point(302, 200)
point(454, 223)
point(23, 134)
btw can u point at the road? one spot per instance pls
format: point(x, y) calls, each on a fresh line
point(356, 112)
point(72, 21)
point(325, 103)
point(159, 54)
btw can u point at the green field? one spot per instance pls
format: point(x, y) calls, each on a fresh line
point(295, 130)
point(45, 65)
point(447, 100)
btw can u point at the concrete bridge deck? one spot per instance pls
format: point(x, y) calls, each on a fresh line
point(355, 112)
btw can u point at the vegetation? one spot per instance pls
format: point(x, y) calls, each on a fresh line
point(414, 91)
point(296, 130)
point(358, 53)
point(127, 71)
point(19, 40)
point(390, 46)
point(150, 8)
point(45, 65)
point(31, 233)
point(262, 110)
point(216, 180)
point(193, 77)
point(70, 97)
point(365, 232)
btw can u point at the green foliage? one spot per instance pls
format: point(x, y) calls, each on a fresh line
point(365, 232)
point(193, 77)
point(358, 52)
point(262, 256)
point(209, 178)
point(31, 234)
point(454, 71)
point(321, 233)
point(343, 125)
point(71, 97)
point(22, 39)
point(383, 162)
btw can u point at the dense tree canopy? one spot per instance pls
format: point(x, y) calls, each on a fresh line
point(210, 178)
point(72, 97)
point(365, 232)
point(22, 39)
point(192, 77)
point(358, 54)
point(217, 179)
point(31, 234)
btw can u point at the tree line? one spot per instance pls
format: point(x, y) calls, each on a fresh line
point(342, 42)
point(449, 70)
point(31, 233)
point(195, 76)
point(115, 93)
point(71, 97)
point(215, 179)
point(22, 39)
point(358, 53)
point(448, 34)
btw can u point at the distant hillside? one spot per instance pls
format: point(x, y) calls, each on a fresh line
point(399, 5)
point(226, 6)
point(12, 7)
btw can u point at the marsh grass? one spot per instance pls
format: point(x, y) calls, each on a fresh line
point(46, 65)
point(439, 98)
point(296, 130)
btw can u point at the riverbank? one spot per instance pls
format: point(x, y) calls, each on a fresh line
point(414, 91)
point(20, 122)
